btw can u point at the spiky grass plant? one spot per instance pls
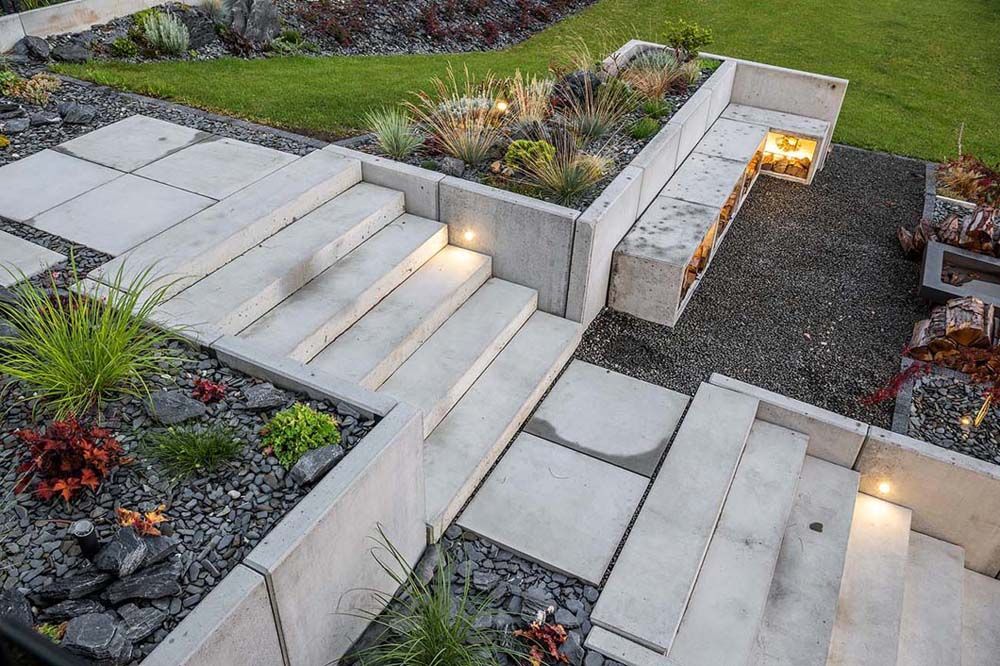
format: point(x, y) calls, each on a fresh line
point(430, 624)
point(566, 176)
point(75, 351)
point(166, 34)
point(692, 71)
point(188, 450)
point(462, 118)
point(655, 74)
point(530, 98)
point(597, 112)
point(394, 131)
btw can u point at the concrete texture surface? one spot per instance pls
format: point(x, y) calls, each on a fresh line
point(24, 195)
point(420, 186)
point(18, 256)
point(980, 619)
point(132, 143)
point(931, 630)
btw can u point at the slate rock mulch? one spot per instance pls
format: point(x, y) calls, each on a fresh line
point(938, 403)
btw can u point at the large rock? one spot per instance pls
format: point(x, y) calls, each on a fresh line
point(15, 607)
point(172, 407)
point(158, 548)
point(35, 48)
point(313, 465)
point(45, 118)
point(100, 637)
point(123, 555)
point(256, 21)
point(74, 53)
point(75, 587)
point(15, 125)
point(140, 622)
point(263, 396)
point(200, 27)
point(67, 610)
point(10, 110)
point(157, 582)
point(75, 113)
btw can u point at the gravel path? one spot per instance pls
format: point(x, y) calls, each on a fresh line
point(809, 296)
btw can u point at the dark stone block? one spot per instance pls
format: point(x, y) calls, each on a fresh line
point(98, 636)
point(15, 607)
point(75, 587)
point(140, 622)
point(75, 53)
point(156, 582)
point(172, 407)
point(67, 610)
point(123, 555)
point(313, 465)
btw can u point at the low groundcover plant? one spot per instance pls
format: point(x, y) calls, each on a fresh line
point(299, 429)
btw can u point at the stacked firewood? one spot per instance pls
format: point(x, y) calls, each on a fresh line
point(959, 324)
point(978, 231)
point(791, 166)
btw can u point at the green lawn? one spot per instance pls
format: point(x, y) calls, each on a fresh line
point(918, 68)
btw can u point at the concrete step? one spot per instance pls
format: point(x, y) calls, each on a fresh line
point(980, 620)
point(306, 322)
point(622, 650)
point(931, 630)
point(374, 347)
point(723, 615)
point(651, 582)
point(190, 250)
point(247, 287)
point(467, 442)
point(445, 366)
point(802, 603)
point(871, 593)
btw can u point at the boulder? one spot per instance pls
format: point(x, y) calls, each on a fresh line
point(452, 166)
point(67, 610)
point(45, 118)
point(15, 125)
point(123, 555)
point(172, 407)
point(263, 396)
point(10, 110)
point(200, 27)
point(15, 607)
point(158, 548)
point(72, 52)
point(256, 21)
point(75, 113)
point(75, 587)
point(100, 637)
point(162, 580)
point(140, 622)
point(313, 465)
point(35, 48)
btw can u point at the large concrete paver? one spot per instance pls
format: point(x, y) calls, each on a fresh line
point(436, 376)
point(374, 347)
point(556, 506)
point(723, 615)
point(37, 183)
point(732, 139)
point(307, 321)
point(802, 603)
point(217, 168)
point(704, 179)
point(652, 579)
point(871, 593)
point(632, 427)
point(20, 257)
point(980, 619)
point(931, 630)
point(622, 650)
point(121, 214)
point(132, 143)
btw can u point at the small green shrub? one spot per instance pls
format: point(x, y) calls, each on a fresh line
point(565, 177)
point(394, 131)
point(644, 128)
point(523, 151)
point(124, 47)
point(299, 429)
point(166, 34)
point(291, 42)
point(687, 38)
point(54, 632)
point(709, 64)
point(4, 142)
point(188, 450)
point(657, 108)
point(8, 79)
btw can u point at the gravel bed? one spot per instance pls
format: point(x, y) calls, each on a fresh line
point(938, 403)
point(216, 519)
point(809, 296)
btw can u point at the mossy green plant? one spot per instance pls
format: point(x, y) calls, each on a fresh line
point(523, 152)
point(124, 47)
point(644, 128)
point(297, 430)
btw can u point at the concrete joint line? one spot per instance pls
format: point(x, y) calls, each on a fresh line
point(273, 600)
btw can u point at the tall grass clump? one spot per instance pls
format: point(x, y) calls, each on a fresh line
point(165, 33)
point(655, 74)
point(530, 98)
point(188, 450)
point(567, 175)
point(75, 351)
point(463, 118)
point(430, 624)
point(597, 112)
point(394, 131)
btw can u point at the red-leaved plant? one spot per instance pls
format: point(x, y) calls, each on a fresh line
point(544, 640)
point(67, 457)
point(208, 391)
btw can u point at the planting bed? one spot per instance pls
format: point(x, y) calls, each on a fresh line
point(215, 519)
point(938, 404)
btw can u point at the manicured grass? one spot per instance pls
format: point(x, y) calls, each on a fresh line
point(918, 68)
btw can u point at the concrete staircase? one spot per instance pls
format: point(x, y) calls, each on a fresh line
point(312, 264)
point(748, 550)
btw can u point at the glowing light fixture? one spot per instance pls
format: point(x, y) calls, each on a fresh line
point(502, 106)
point(965, 421)
point(884, 488)
point(469, 235)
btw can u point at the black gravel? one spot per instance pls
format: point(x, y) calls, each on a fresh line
point(939, 402)
point(809, 296)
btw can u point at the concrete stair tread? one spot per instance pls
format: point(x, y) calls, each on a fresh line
point(445, 366)
point(802, 602)
point(871, 593)
point(724, 612)
point(191, 249)
point(464, 446)
point(651, 582)
point(307, 321)
point(931, 629)
point(623, 650)
point(378, 343)
point(244, 289)
point(980, 620)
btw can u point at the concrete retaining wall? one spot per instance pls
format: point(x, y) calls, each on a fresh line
point(420, 187)
point(11, 32)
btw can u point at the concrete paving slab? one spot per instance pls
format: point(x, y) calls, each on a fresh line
point(373, 348)
point(802, 603)
point(778, 120)
point(723, 615)
point(439, 373)
point(132, 143)
point(306, 322)
point(623, 650)
point(119, 215)
point(217, 168)
point(704, 179)
point(542, 496)
point(649, 586)
point(732, 139)
point(252, 284)
point(37, 183)
point(871, 593)
point(18, 256)
point(465, 444)
point(669, 232)
point(980, 619)
point(931, 629)
point(631, 429)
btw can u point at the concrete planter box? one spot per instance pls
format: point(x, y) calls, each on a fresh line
point(296, 597)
